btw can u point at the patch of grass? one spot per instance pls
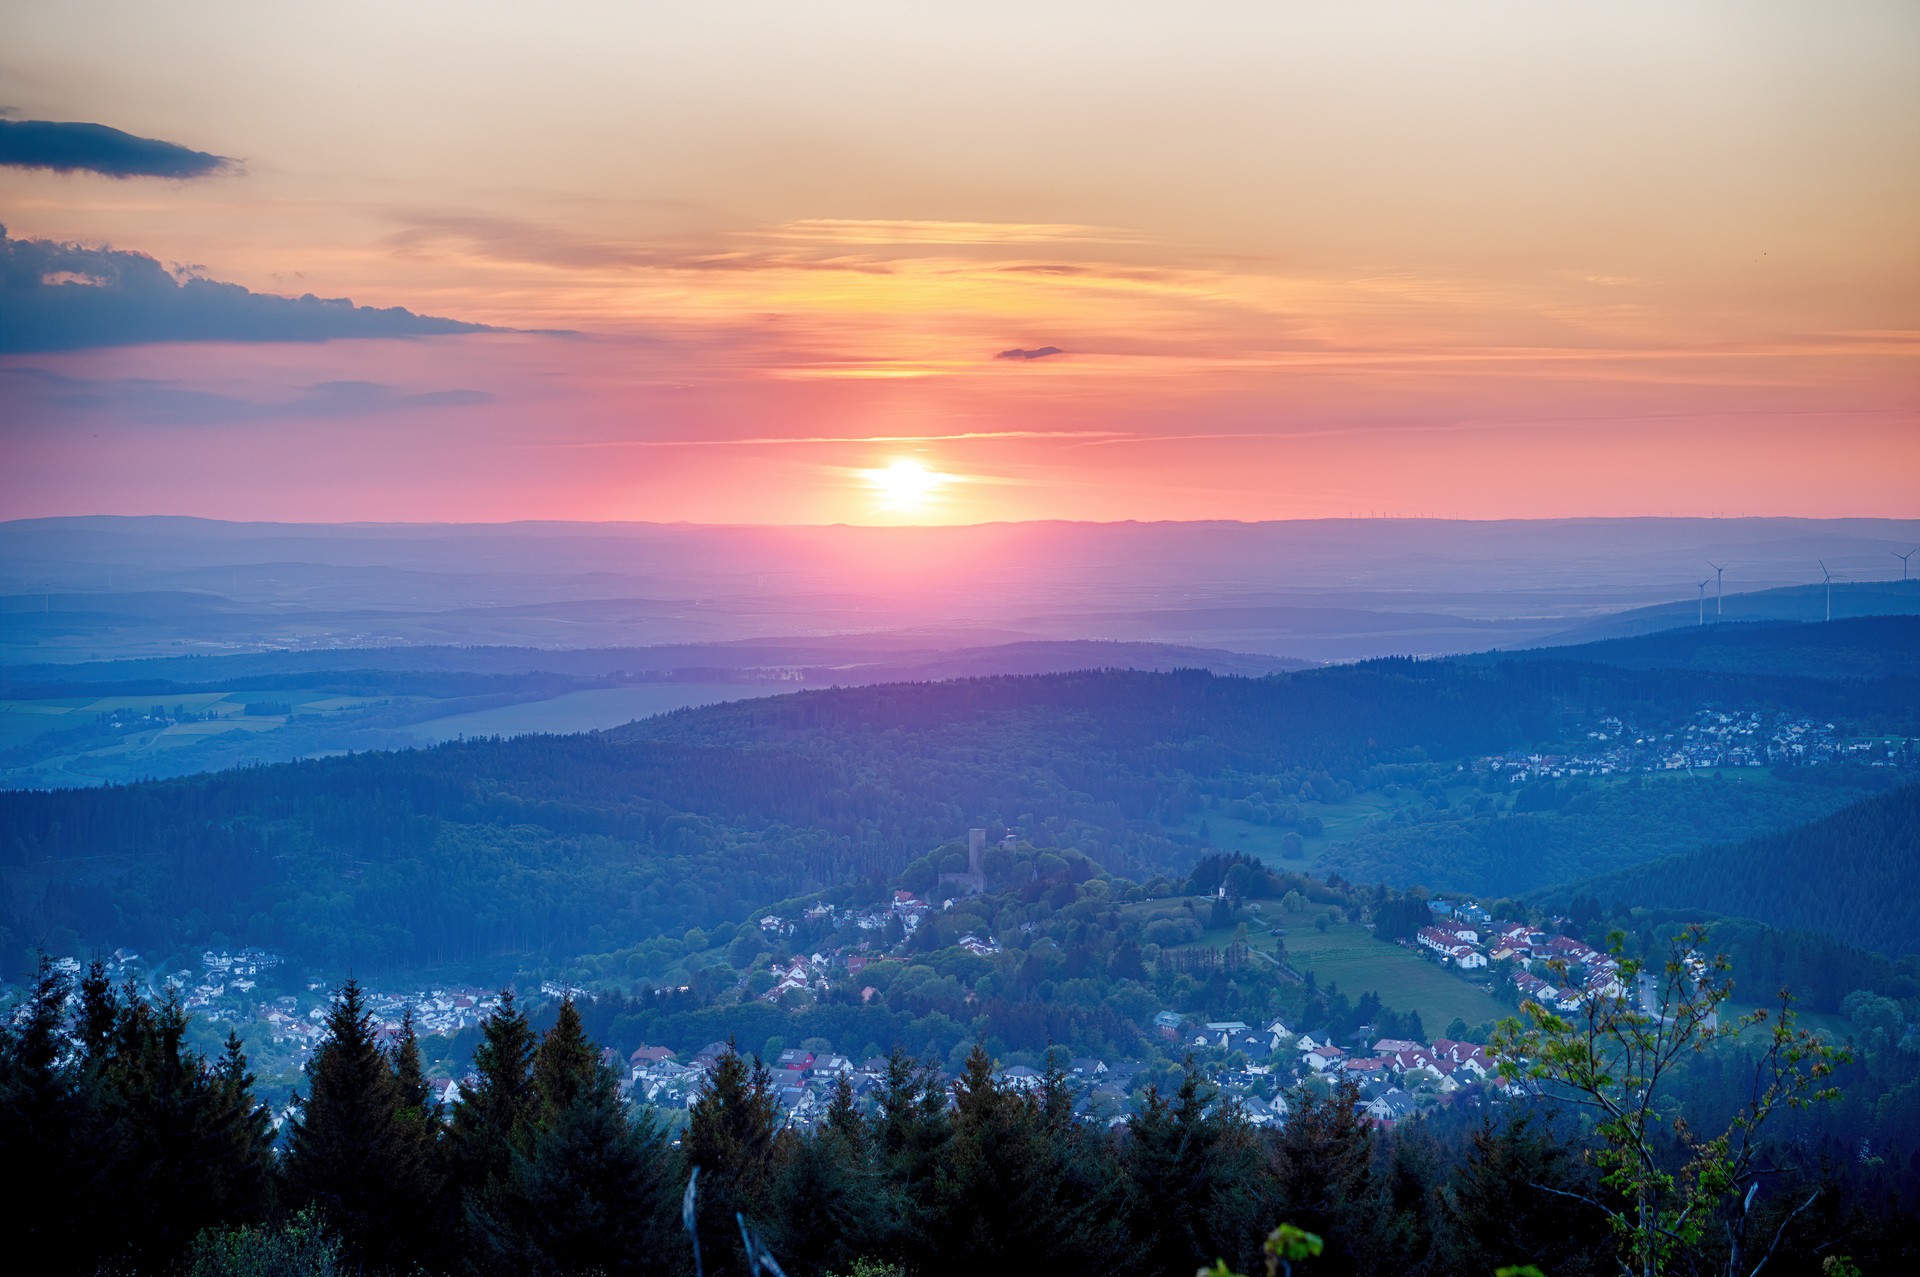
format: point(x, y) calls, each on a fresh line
point(1347, 954)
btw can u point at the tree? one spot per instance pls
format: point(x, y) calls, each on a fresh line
point(1616, 1057)
point(911, 1133)
point(40, 1117)
point(590, 1193)
point(352, 1153)
point(1193, 1180)
point(826, 1202)
point(1323, 1177)
point(494, 1119)
point(994, 1196)
point(1515, 1199)
point(730, 1136)
point(565, 1062)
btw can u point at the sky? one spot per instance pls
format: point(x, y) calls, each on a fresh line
point(848, 262)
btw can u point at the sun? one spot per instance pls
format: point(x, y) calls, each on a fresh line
point(905, 484)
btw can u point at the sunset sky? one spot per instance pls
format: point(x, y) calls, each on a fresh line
point(803, 262)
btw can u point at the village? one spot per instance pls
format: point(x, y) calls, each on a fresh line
point(1709, 739)
point(1252, 1066)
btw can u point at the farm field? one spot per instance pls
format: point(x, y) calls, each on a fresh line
point(590, 710)
point(59, 742)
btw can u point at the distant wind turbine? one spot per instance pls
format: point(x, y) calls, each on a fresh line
point(1829, 576)
point(1703, 601)
point(1903, 559)
point(1718, 591)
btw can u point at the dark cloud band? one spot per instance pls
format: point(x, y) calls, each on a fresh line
point(95, 148)
point(1040, 352)
point(69, 297)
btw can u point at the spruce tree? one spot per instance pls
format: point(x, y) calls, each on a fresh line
point(731, 1134)
point(565, 1062)
point(351, 1152)
point(39, 1112)
point(586, 1189)
point(99, 1010)
point(492, 1123)
point(182, 1146)
point(911, 1132)
point(1002, 1208)
point(827, 1206)
point(1324, 1179)
point(1501, 1211)
point(1193, 1182)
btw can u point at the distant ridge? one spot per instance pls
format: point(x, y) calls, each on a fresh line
point(1866, 647)
point(858, 658)
point(1786, 603)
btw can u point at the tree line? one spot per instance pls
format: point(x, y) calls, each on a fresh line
point(146, 1158)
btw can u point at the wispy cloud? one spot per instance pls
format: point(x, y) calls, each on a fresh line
point(536, 243)
point(904, 232)
point(152, 401)
point(77, 147)
point(761, 441)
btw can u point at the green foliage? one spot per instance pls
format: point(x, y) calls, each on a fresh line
point(302, 1247)
point(355, 1149)
point(1606, 827)
point(1619, 1057)
point(1849, 876)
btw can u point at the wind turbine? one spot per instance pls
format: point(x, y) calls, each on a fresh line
point(1903, 559)
point(1703, 601)
point(1829, 576)
point(1718, 592)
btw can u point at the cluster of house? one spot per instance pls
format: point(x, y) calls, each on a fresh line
point(1392, 1076)
point(803, 1081)
point(905, 908)
point(1711, 738)
point(1553, 970)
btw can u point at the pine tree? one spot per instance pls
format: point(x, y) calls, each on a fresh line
point(39, 1122)
point(1324, 1180)
point(494, 1121)
point(731, 1134)
point(1000, 1193)
point(1194, 1182)
point(586, 1190)
point(1501, 1212)
point(595, 1194)
point(352, 1152)
point(828, 1206)
point(564, 1063)
point(911, 1133)
point(182, 1146)
point(98, 1012)
point(414, 1093)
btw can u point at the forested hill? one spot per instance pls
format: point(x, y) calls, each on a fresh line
point(558, 845)
point(1866, 647)
point(1854, 875)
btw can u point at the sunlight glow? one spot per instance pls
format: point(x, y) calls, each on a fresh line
point(905, 485)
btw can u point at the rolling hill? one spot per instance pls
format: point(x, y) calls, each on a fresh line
point(476, 851)
point(1853, 875)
